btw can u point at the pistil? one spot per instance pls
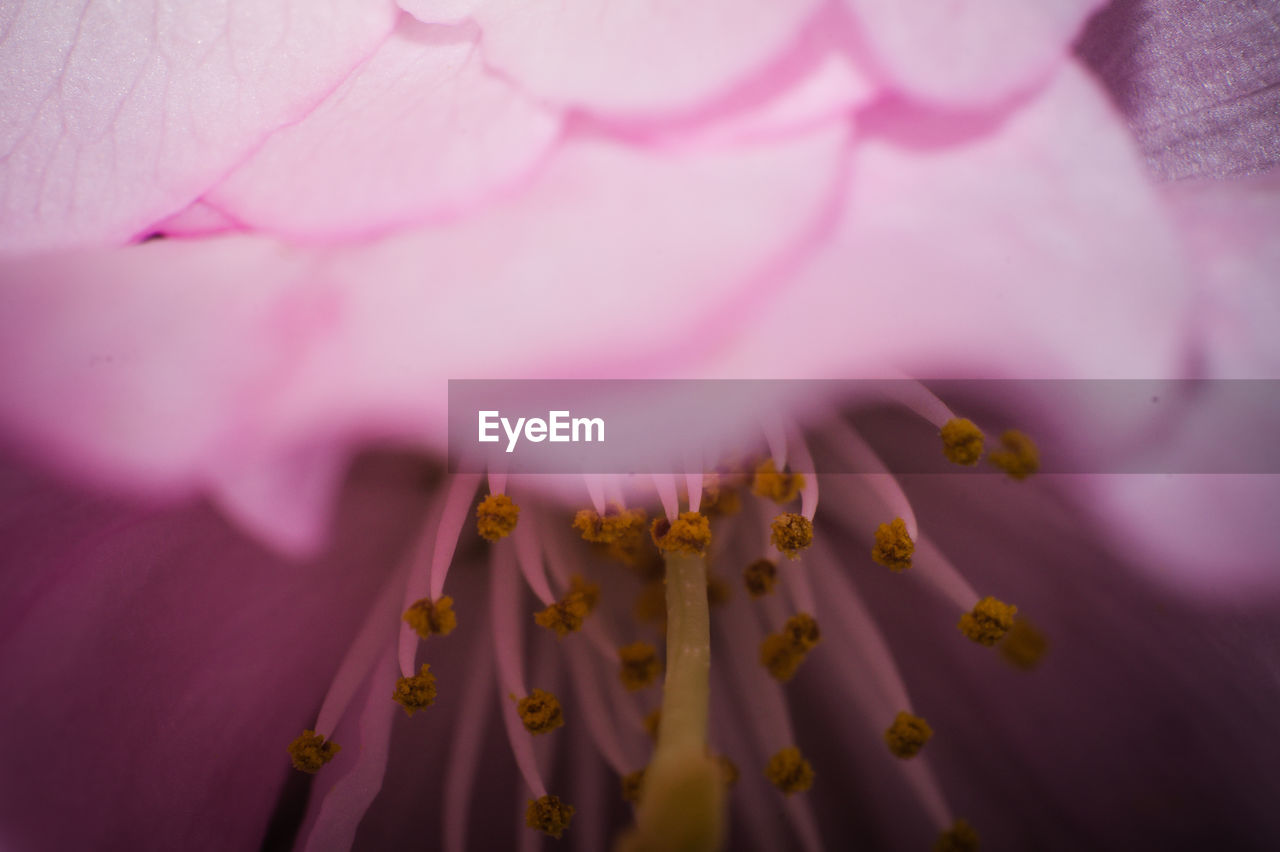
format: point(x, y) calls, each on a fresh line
point(682, 802)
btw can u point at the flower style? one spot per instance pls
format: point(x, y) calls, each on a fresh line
point(358, 202)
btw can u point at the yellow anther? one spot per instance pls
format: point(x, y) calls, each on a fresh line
point(784, 651)
point(988, 622)
point(615, 526)
point(718, 497)
point(961, 441)
point(652, 722)
point(566, 615)
point(728, 770)
point(718, 591)
point(549, 815)
point(417, 692)
point(1019, 458)
point(428, 617)
point(540, 712)
point(651, 604)
point(640, 665)
point(789, 771)
point(310, 751)
point(960, 837)
point(496, 517)
point(894, 547)
point(1023, 645)
point(792, 533)
point(907, 735)
point(632, 783)
point(690, 534)
point(778, 487)
point(760, 577)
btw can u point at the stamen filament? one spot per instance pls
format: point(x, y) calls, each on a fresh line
point(665, 485)
point(529, 556)
point(464, 754)
point(944, 577)
point(457, 502)
point(804, 464)
point(858, 455)
point(508, 638)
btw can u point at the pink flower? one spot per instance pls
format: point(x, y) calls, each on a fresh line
point(359, 203)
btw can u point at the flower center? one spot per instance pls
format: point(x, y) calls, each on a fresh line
point(680, 794)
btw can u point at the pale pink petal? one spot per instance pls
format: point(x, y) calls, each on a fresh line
point(119, 114)
point(1215, 534)
point(155, 663)
point(179, 364)
point(198, 219)
point(419, 131)
point(439, 11)
point(968, 52)
point(1027, 245)
point(637, 56)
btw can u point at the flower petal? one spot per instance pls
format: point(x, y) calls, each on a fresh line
point(969, 52)
point(155, 664)
point(637, 56)
point(118, 114)
point(1028, 244)
point(418, 131)
point(169, 364)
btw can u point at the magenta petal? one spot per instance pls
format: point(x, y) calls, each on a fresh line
point(118, 115)
point(419, 131)
point(969, 52)
point(155, 664)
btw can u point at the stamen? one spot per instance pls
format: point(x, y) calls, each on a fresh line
point(784, 651)
point(693, 484)
point(529, 558)
point(540, 712)
point(549, 815)
point(1023, 645)
point(508, 640)
point(789, 771)
point(962, 441)
point(417, 692)
point(760, 578)
point(1020, 458)
point(809, 481)
point(792, 533)
point(566, 615)
point(431, 618)
point(310, 751)
point(468, 740)
point(615, 526)
point(857, 455)
point(937, 571)
point(600, 723)
point(959, 838)
point(893, 548)
point(640, 666)
point(768, 717)
point(690, 534)
point(457, 500)
point(496, 517)
point(907, 735)
point(988, 622)
point(769, 483)
point(631, 785)
point(668, 495)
